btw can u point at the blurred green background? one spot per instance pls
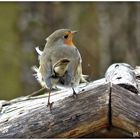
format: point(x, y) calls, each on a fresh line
point(109, 32)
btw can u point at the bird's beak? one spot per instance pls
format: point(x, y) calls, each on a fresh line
point(73, 32)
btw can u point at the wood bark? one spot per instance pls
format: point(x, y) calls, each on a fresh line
point(122, 74)
point(69, 117)
point(125, 106)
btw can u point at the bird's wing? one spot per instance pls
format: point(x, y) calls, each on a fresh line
point(60, 67)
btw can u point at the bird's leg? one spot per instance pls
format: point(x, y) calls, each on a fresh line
point(49, 86)
point(49, 103)
point(74, 92)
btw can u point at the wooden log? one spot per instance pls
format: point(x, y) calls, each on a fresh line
point(122, 74)
point(69, 117)
point(125, 106)
point(109, 133)
point(137, 72)
point(99, 105)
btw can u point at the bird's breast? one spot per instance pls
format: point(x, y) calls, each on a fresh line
point(64, 52)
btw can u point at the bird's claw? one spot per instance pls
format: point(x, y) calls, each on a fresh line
point(74, 93)
point(50, 104)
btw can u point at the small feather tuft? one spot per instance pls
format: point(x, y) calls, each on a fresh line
point(38, 50)
point(38, 76)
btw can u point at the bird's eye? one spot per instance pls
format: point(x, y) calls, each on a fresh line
point(66, 36)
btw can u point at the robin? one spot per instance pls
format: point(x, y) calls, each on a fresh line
point(60, 62)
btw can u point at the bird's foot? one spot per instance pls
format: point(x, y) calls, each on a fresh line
point(50, 104)
point(74, 93)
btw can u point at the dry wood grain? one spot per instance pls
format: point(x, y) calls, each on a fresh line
point(122, 74)
point(70, 117)
point(125, 107)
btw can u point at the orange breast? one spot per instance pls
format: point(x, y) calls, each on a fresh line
point(68, 42)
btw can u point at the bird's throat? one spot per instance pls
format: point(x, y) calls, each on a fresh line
point(68, 42)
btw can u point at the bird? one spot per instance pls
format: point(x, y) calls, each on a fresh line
point(60, 62)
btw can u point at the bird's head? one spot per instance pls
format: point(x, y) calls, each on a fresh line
point(64, 36)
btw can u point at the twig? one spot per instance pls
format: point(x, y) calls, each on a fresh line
point(36, 92)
